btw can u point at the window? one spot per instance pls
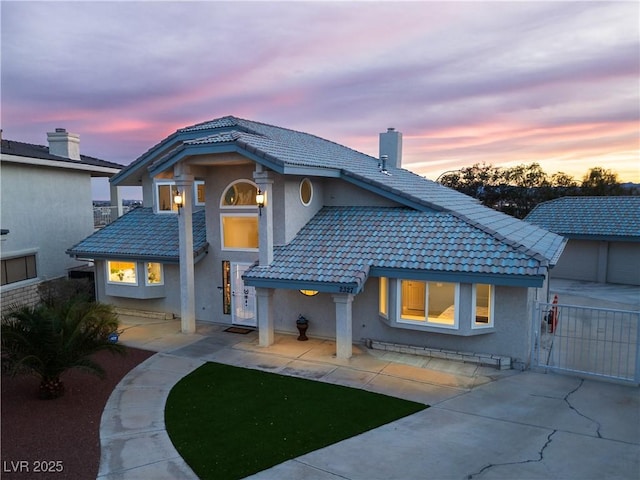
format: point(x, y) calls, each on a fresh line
point(199, 193)
point(306, 191)
point(241, 193)
point(154, 274)
point(226, 287)
point(239, 232)
point(164, 196)
point(428, 302)
point(483, 305)
point(19, 269)
point(384, 297)
point(122, 272)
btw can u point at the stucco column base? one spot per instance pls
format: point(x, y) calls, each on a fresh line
point(266, 330)
point(344, 325)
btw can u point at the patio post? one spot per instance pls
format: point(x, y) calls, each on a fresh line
point(344, 328)
point(264, 297)
point(184, 184)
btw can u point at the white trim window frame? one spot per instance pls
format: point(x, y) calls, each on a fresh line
point(232, 214)
point(490, 314)
point(196, 201)
point(252, 206)
point(383, 297)
point(428, 321)
point(122, 273)
point(156, 192)
point(147, 281)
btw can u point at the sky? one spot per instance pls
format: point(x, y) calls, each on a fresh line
point(504, 83)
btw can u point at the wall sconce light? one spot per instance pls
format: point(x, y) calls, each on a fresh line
point(260, 200)
point(177, 200)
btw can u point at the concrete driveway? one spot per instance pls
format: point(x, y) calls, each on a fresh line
point(482, 423)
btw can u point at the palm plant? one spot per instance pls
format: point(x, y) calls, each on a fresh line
point(51, 338)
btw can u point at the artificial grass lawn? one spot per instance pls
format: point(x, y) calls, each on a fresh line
point(230, 422)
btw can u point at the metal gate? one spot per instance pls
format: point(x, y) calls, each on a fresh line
point(589, 341)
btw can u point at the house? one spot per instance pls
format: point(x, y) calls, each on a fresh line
point(603, 234)
point(46, 206)
point(251, 224)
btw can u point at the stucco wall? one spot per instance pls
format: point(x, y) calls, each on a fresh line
point(46, 210)
point(511, 336)
point(599, 261)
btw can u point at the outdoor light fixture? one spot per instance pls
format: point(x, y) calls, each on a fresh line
point(177, 200)
point(309, 293)
point(260, 200)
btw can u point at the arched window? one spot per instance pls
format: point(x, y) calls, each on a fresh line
point(241, 193)
point(239, 230)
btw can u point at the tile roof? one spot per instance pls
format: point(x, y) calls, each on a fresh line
point(287, 148)
point(340, 245)
point(291, 152)
point(20, 149)
point(142, 235)
point(606, 217)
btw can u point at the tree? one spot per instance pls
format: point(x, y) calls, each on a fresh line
point(599, 181)
point(51, 338)
point(517, 190)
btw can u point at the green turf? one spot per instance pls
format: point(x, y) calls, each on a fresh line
point(230, 422)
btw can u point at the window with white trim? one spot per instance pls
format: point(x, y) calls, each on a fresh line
point(239, 194)
point(429, 303)
point(482, 300)
point(384, 296)
point(122, 272)
point(454, 308)
point(239, 226)
point(164, 196)
point(155, 274)
point(239, 232)
point(198, 191)
point(165, 192)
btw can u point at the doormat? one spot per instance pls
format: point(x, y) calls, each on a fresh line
point(241, 330)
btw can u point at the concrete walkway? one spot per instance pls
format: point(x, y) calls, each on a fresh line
point(483, 423)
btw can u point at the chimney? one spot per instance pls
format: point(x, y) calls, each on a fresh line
point(391, 146)
point(64, 144)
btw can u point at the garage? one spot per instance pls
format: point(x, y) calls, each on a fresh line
point(603, 237)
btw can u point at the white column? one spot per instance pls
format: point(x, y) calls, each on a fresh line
point(265, 235)
point(116, 201)
point(344, 328)
point(264, 298)
point(184, 183)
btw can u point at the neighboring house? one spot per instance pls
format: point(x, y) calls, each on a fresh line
point(603, 233)
point(364, 249)
point(46, 206)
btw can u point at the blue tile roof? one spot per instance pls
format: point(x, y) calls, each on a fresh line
point(603, 217)
point(284, 150)
point(141, 235)
point(341, 245)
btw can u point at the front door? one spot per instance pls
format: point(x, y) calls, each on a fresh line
point(243, 298)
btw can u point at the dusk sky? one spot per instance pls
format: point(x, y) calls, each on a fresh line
point(503, 83)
